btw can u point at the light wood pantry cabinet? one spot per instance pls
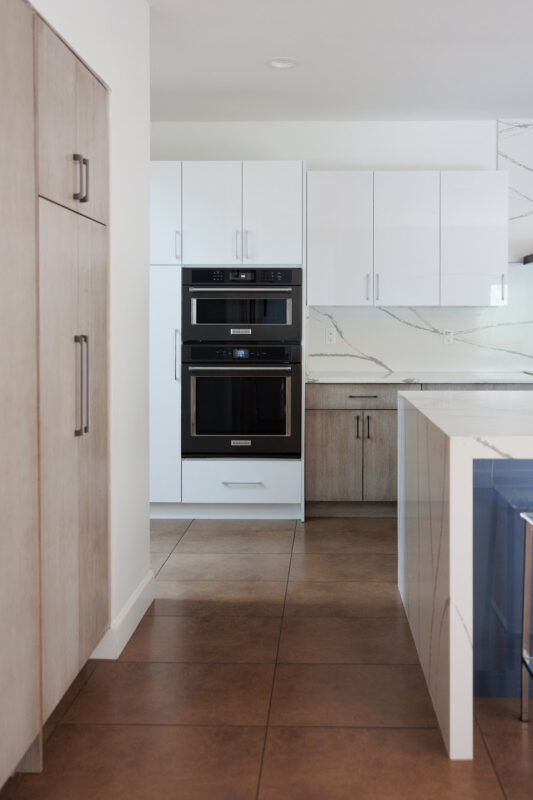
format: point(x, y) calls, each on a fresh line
point(238, 212)
point(73, 423)
point(20, 717)
point(350, 444)
point(340, 238)
point(165, 212)
point(72, 111)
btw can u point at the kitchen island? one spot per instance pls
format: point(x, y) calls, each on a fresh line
point(440, 435)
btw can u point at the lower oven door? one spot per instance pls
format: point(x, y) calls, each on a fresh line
point(241, 411)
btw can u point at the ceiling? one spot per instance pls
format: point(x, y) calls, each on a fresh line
point(358, 59)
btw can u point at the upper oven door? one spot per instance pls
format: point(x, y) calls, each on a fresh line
point(241, 410)
point(217, 313)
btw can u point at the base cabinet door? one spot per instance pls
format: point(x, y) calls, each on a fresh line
point(380, 455)
point(334, 456)
point(60, 419)
point(92, 446)
point(165, 385)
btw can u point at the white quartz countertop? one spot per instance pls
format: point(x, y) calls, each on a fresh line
point(476, 414)
point(315, 376)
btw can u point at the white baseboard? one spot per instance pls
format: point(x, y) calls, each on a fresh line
point(225, 511)
point(124, 624)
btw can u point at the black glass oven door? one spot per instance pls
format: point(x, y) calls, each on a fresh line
point(249, 309)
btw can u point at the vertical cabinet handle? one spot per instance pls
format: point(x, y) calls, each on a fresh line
point(177, 246)
point(503, 286)
point(238, 252)
point(368, 286)
point(85, 198)
point(85, 340)
point(357, 423)
point(78, 431)
point(79, 158)
point(368, 427)
point(246, 244)
point(377, 285)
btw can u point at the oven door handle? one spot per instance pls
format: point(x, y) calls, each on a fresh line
point(240, 289)
point(239, 369)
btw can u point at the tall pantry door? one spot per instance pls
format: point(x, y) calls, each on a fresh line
point(93, 444)
point(60, 417)
point(20, 716)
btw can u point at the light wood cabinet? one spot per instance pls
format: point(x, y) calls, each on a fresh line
point(72, 113)
point(334, 456)
point(20, 718)
point(380, 432)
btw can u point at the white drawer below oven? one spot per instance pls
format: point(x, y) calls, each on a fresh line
point(241, 480)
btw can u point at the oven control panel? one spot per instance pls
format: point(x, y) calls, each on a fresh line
point(212, 353)
point(247, 277)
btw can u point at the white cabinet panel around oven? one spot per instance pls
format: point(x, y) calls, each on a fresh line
point(165, 212)
point(242, 481)
point(406, 238)
point(212, 212)
point(474, 246)
point(165, 385)
point(272, 212)
point(340, 220)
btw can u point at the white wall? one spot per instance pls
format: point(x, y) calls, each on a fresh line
point(333, 145)
point(112, 36)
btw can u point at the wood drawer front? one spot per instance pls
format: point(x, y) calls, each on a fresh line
point(355, 395)
point(241, 481)
point(477, 387)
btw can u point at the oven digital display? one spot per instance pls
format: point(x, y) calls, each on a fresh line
point(241, 352)
point(242, 275)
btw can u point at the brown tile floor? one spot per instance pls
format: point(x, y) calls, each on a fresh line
point(275, 664)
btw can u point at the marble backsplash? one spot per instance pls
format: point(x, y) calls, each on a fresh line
point(411, 339)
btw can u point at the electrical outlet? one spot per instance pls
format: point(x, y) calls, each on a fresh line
point(331, 336)
point(447, 336)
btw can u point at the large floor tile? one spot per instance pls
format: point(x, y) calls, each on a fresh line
point(343, 599)
point(351, 695)
point(356, 541)
point(510, 743)
point(336, 525)
point(70, 695)
point(346, 641)
point(344, 567)
point(164, 542)
point(239, 541)
point(349, 764)
point(204, 639)
point(220, 598)
point(174, 694)
point(225, 567)
point(145, 762)
point(156, 561)
point(177, 526)
point(246, 525)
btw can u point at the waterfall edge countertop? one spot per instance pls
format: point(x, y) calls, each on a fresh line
point(440, 434)
point(345, 376)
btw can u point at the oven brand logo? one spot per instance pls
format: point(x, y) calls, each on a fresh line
point(240, 331)
point(241, 442)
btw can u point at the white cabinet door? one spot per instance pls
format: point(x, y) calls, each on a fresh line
point(212, 212)
point(243, 480)
point(272, 212)
point(165, 385)
point(165, 212)
point(340, 238)
point(474, 245)
point(406, 238)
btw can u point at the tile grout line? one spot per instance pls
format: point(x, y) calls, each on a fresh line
point(177, 543)
point(489, 755)
point(267, 721)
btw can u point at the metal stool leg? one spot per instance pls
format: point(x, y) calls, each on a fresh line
point(527, 661)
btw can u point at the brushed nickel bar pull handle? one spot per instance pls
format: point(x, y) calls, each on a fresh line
point(79, 431)
point(87, 374)
point(246, 245)
point(79, 158)
point(503, 286)
point(232, 289)
point(242, 483)
point(368, 286)
point(85, 198)
point(377, 285)
point(362, 396)
point(238, 252)
point(238, 368)
point(177, 246)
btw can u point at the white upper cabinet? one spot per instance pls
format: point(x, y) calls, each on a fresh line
point(406, 238)
point(340, 238)
point(165, 212)
point(474, 242)
point(212, 212)
point(272, 212)
point(165, 384)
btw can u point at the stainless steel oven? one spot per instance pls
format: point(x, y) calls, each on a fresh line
point(223, 305)
point(242, 400)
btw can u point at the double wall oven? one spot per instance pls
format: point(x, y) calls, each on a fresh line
point(241, 362)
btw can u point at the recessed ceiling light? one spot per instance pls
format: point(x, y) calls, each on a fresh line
point(283, 63)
